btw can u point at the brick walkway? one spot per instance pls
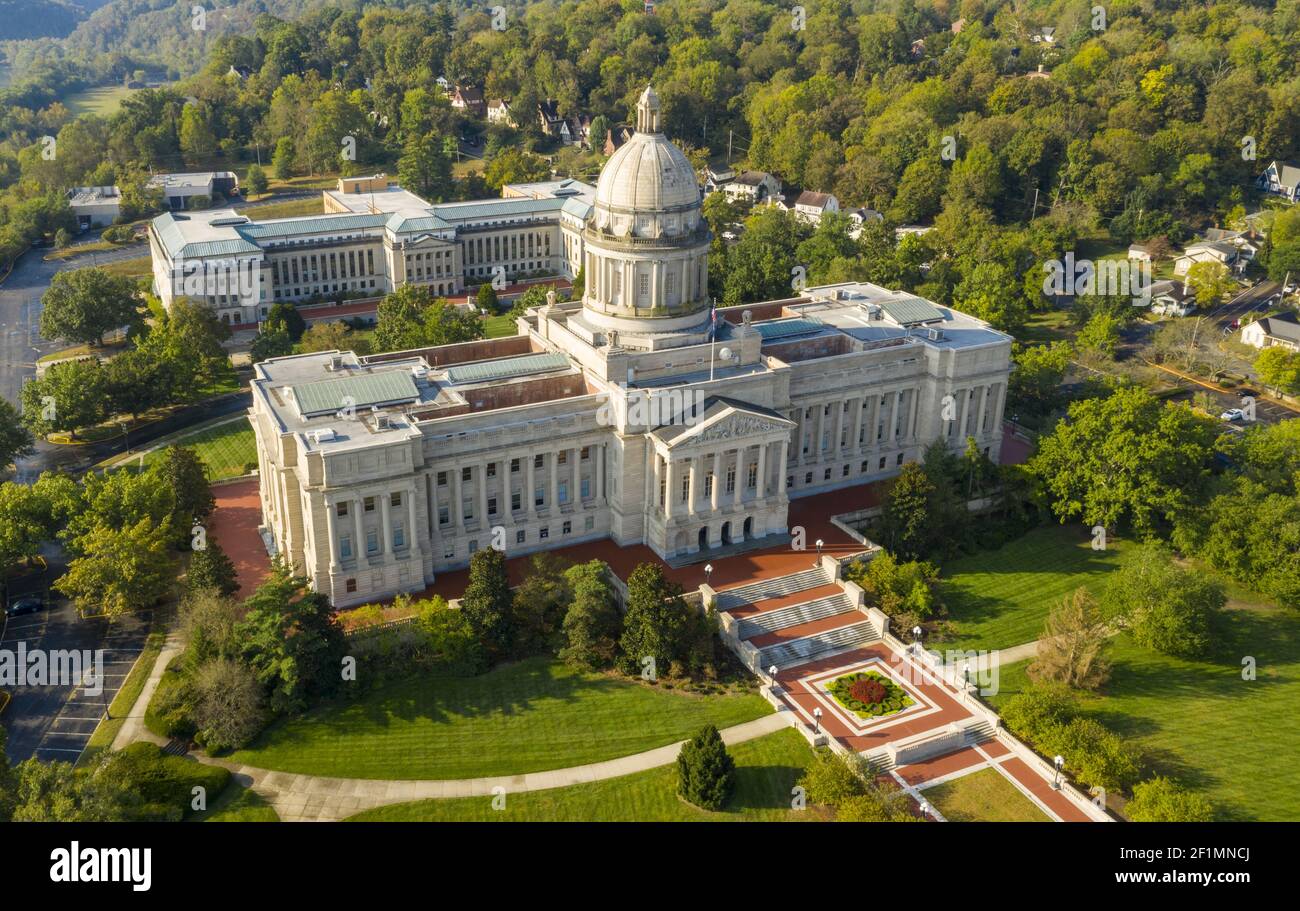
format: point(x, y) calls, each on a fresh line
point(234, 525)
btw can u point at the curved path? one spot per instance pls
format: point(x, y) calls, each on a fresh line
point(315, 798)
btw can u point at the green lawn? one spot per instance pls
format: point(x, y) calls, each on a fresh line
point(499, 326)
point(766, 771)
point(102, 101)
point(983, 796)
point(289, 208)
point(1199, 721)
point(138, 267)
point(225, 449)
point(1001, 598)
point(238, 804)
point(529, 716)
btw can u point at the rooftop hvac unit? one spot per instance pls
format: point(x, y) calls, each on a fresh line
point(382, 422)
point(933, 334)
point(336, 362)
point(323, 436)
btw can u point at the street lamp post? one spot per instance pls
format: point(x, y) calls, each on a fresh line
point(1059, 762)
point(708, 572)
point(916, 639)
point(819, 552)
point(817, 719)
point(965, 690)
point(925, 807)
point(771, 672)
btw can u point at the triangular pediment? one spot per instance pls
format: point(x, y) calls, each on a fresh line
point(730, 423)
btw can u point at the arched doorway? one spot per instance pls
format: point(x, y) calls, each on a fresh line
point(748, 529)
point(704, 538)
point(726, 533)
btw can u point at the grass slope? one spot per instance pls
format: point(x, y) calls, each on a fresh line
point(238, 804)
point(1199, 721)
point(1001, 598)
point(529, 716)
point(983, 796)
point(766, 771)
point(225, 449)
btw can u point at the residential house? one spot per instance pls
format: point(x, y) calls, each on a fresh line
point(1139, 252)
point(859, 217)
point(1171, 298)
point(807, 205)
point(754, 186)
point(498, 111)
point(1273, 331)
point(1208, 251)
point(717, 178)
point(95, 207)
point(1043, 35)
point(240, 72)
point(1281, 178)
point(1247, 242)
point(615, 137)
point(469, 100)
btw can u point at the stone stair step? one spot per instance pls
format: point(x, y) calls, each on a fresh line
point(794, 615)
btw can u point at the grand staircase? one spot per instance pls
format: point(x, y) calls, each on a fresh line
point(796, 618)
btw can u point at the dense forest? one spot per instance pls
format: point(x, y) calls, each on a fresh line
point(1125, 125)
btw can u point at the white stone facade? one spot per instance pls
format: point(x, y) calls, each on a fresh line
point(652, 425)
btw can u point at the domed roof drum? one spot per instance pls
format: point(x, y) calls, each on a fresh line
point(648, 187)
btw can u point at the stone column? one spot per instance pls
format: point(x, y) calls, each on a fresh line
point(819, 421)
point(693, 488)
point(798, 435)
point(718, 469)
point(785, 445)
point(669, 491)
point(530, 503)
point(836, 445)
point(457, 508)
point(359, 549)
point(600, 473)
point(894, 414)
point(575, 486)
point(412, 531)
point(740, 477)
point(481, 470)
point(331, 525)
point(760, 484)
point(984, 401)
point(553, 493)
point(855, 428)
point(384, 503)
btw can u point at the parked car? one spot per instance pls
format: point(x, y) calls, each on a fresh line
point(27, 604)
point(1232, 414)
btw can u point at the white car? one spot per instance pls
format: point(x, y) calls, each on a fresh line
point(1232, 414)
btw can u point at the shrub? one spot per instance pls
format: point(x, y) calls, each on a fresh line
point(168, 714)
point(705, 770)
point(867, 690)
point(163, 784)
point(831, 779)
point(228, 707)
point(1162, 800)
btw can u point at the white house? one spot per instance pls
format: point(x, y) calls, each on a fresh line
point(1246, 242)
point(1139, 252)
point(95, 207)
point(1271, 331)
point(498, 111)
point(1171, 298)
point(754, 186)
point(1281, 178)
point(1208, 251)
point(808, 205)
point(859, 217)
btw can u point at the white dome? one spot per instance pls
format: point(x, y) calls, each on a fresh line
point(647, 188)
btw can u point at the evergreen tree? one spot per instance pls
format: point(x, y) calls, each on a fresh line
point(184, 473)
point(705, 770)
point(592, 624)
point(655, 622)
point(487, 601)
point(255, 180)
point(905, 518)
point(210, 568)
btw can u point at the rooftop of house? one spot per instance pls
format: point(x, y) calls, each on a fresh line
point(1284, 327)
point(1288, 172)
point(391, 199)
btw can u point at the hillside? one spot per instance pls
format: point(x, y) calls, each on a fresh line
point(21, 19)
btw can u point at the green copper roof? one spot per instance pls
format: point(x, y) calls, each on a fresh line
point(784, 328)
point(485, 371)
point(910, 310)
point(359, 391)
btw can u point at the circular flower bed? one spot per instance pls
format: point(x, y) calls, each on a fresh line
point(868, 694)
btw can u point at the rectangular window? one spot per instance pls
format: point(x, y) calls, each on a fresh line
point(372, 542)
point(751, 475)
point(538, 461)
point(342, 508)
point(686, 489)
point(590, 523)
point(514, 466)
point(899, 460)
point(467, 509)
point(521, 536)
point(444, 515)
point(492, 469)
point(564, 457)
point(564, 491)
point(544, 533)
point(586, 488)
point(350, 586)
point(466, 474)
point(369, 504)
point(395, 499)
point(539, 497)
point(882, 464)
point(846, 471)
point(345, 548)
point(399, 537)
point(708, 485)
point(566, 528)
point(731, 480)
point(826, 476)
point(515, 504)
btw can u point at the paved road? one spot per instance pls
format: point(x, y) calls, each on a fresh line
point(55, 722)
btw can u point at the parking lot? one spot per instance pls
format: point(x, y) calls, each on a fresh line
point(55, 722)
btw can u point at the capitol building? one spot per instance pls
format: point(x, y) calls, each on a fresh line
point(637, 413)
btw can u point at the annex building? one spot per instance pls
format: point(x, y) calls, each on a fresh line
point(636, 413)
point(373, 238)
